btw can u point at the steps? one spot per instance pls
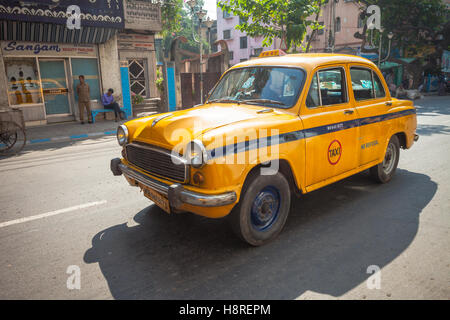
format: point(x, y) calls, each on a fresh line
point(149, 107)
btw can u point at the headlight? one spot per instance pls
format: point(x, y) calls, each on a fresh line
point(122, 135)
point(196, 154)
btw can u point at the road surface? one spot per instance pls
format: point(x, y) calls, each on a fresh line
point(62, 210)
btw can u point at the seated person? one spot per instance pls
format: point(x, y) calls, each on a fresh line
point(109, 103)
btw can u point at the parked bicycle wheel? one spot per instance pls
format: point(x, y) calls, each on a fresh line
point(12, 137)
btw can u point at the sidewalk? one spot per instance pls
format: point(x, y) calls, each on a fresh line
point(69, 131)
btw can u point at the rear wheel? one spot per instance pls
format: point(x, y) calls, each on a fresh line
point(384, 171)
point(262, 210)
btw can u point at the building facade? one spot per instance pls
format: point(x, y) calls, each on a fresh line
point(241, 47)
point(42, 56)
point(341, 21)
point(339, 17)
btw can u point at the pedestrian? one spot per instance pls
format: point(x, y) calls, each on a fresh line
point(109, 103)
point(84, 99)
point(442, 85)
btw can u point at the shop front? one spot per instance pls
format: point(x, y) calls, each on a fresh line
point(42, 55)
point(41, 78)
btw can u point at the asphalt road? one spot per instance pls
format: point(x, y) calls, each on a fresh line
point(76, 213)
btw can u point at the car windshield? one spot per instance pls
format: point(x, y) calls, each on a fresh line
point(275, 86)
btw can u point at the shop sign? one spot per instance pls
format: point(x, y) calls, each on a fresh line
point(142, 15)
point(16, 48)
point(136, 42)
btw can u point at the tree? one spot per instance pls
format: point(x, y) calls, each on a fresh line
point(177, 21)
point(416, 25)
point(171, 16)
point(286, 20)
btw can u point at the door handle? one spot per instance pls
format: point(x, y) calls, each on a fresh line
point(348, 111)
point(389, 103)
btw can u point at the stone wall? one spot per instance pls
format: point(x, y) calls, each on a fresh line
point(110, 66)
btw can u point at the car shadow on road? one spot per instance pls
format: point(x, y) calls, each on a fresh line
point(433, 106)
point(430, 129)
point(330, 239)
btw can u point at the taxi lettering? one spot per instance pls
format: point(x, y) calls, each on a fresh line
point(334, 152)
point(291, 113)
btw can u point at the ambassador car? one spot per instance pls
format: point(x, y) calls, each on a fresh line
point(272, 128)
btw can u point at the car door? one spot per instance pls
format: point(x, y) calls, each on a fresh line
point(372, 101)
point(330, 126)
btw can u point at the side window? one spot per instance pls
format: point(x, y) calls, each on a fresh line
point(379, 89)
point(313, 100)
point(362, 84)
point(332, 88)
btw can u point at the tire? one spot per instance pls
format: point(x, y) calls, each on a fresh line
point(12, 137)
point(263, 208)
point(384, 171)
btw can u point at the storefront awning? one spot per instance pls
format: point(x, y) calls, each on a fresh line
point(389, 65)
point(47, 32)
point(99, 13)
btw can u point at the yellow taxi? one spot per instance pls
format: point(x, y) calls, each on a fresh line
point(271, 128)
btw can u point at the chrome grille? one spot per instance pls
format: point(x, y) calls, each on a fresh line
point(156, 161)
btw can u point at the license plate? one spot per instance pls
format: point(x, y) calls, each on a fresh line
point(158, 199)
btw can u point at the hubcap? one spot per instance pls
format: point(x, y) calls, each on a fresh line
point(389, 159)
point(265, 208)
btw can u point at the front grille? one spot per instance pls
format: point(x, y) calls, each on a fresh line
point(156, 161)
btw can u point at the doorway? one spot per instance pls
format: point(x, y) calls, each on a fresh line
point(138, 76)
point(54, 87)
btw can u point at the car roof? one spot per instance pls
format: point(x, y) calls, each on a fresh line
point(308, 61)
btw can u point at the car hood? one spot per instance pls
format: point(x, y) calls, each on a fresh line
point(179, 127)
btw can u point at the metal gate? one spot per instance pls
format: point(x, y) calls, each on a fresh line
point(190, 87)
point(136, 70)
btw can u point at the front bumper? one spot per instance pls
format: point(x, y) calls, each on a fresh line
point(176, 193)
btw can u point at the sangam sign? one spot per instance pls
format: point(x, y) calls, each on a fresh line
point(16, 48)
point(142, 15)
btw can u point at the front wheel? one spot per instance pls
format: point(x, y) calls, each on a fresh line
point(384, 171)
point(262, 210)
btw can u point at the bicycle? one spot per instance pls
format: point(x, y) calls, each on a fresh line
point(12, 130)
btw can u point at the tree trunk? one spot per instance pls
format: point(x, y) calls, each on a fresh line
point(313, 33)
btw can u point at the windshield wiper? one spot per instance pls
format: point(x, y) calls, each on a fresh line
point(224, 100)
point(263, 101)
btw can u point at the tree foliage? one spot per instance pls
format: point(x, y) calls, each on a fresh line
point(416, 25)
point(286, 20)
point(177, 20)
point(171, 16)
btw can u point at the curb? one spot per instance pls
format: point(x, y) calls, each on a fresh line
point(72, 137)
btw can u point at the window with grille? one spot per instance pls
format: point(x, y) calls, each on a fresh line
point(258, 51)
point(226, 34)
point(136, 70)
point(360, 21)
point(226, 14)
point(337, 25)
point(243, 41)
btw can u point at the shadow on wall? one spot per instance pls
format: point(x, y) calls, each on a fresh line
point(329, 240)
